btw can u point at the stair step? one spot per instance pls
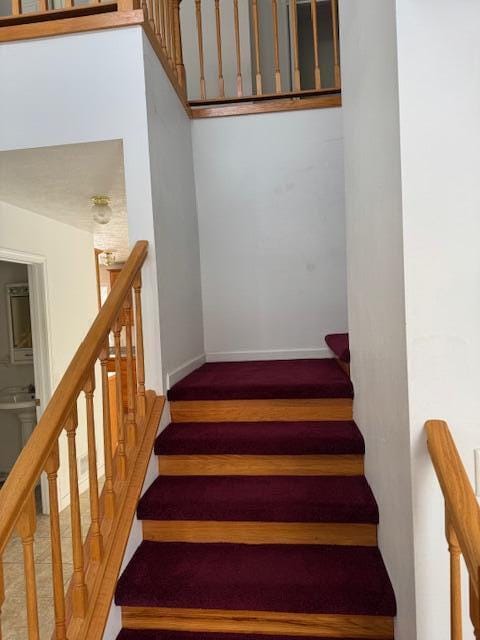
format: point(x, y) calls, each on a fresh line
point(298, 579)
point(339, 344)
point(269, 379)
point(160, 634)
point(260, 499)
point(261, 438)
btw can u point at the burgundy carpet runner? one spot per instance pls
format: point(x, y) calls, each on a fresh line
point(264, 380)
point(339, 344)
point(260, 438)
point(258, 577)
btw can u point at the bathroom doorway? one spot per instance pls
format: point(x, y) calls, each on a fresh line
point(25, 378)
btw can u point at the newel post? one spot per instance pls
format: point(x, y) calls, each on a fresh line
point(177, 35)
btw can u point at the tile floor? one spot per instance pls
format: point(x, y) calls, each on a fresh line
point(13, 619)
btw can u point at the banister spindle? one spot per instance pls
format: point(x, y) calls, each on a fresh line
point(131, 423)
point(16, 7)
point(26, 526)
point(179, 66)
point(294, 36)
point(198, 13)
point(221, 83)
point(79, 589)
point(51, 468)
point(475, 604)
point(336, 51)
point(156, 17)
point(163, 26)
point(96, 542)
point(237, 48)
point(121, 450)
point(109, 496)
point(455, 581)
point(139, 352)
point(256, 40)
point(318, 80)
point(171, 30)
point(276, 53)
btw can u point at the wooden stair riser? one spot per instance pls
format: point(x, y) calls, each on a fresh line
point(259, 622)
point(261, 410)
point(260, 532)
point(208, 465)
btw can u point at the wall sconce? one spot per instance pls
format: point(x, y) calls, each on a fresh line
point(102, 212)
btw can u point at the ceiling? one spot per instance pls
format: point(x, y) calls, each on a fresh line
point(58, 182)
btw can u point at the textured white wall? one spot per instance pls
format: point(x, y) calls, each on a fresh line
point(441, 203)
point(176, 227)
point(376, 281)
point(272, 232)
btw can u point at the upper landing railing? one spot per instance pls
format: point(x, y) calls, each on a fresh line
point(222, 56)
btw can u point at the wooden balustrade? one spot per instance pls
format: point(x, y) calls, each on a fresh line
point(81, 408)
point(462, 524)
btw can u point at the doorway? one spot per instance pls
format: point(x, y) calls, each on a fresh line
point(25, 374)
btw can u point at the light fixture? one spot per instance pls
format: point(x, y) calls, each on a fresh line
point(108, 258)
point(102, 212)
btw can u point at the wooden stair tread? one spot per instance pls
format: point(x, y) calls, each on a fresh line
point(161, 634)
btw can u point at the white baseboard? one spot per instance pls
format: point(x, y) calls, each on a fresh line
point(270, 354)
point(183, 370)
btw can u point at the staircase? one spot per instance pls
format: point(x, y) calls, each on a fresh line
point(261, 522)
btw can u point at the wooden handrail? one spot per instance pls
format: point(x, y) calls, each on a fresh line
point(34, 456)
point(462, 521)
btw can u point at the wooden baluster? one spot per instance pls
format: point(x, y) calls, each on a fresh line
point(51, 469)
point(318, 80)
point(43, 5)
point(221, 83)
point(237, 48)
point(336, 51)
point(179, 66)
point(256, 40)
point(171, 28)
point(96, 541)
point(121, 451)
point(2, 594)
point(455, 581)
point(163, 26)
point(294, 37)
point(109, 496)
point(16, 7)
point(79, 589)
point(276, 53)
point(168, 34)
point(26, 526)
point(131, 425)
point(475, 606)
point(139, 352)
point(156, 17)
point(198, 11)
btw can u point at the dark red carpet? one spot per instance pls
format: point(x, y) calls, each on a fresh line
point(260, 438)
point(291, 578)
point(263, 380)
point(339, 344)
point(260, 499)
point(144, 634)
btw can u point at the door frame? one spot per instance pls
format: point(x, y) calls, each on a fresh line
point(41, 334)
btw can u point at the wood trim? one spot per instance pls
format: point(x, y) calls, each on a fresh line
point(57, 14)
point(273, 106)
point(65, 26)
point(237, 465)
point(259, 410)
point(260, 532)
point(102, 591)
point(293, 624)
point(33, 457)
point(265, 97)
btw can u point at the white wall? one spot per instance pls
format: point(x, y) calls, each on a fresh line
point(111, 90)
point(71, 297)
point(10, 375)
point(176, 227)
point(271, 216)
point(376, 282)
point(440, 131)
point(229, 59)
